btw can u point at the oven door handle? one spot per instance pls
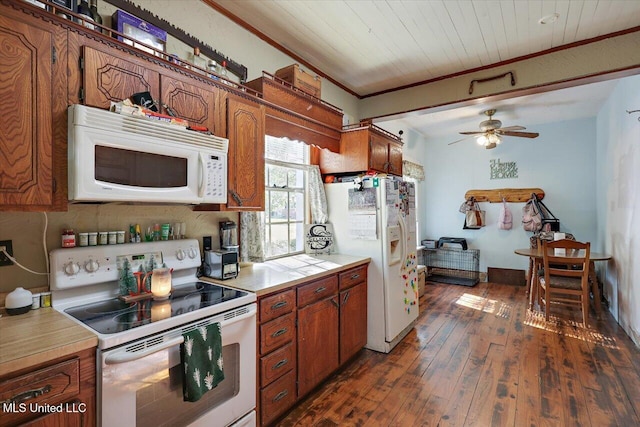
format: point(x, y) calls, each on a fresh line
point(114, 359)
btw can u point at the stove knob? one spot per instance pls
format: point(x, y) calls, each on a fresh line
point(180, 255)
point(192, 253)
point(91, 266)
point(71, 268)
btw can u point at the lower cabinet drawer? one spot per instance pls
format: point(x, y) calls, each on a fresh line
point(277, 364)
point(277, 332)
point(51, 385)
point(277, 398)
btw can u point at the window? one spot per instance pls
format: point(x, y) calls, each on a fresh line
point(286, 196)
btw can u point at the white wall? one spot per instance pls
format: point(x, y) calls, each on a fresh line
point(561, 161)
point(618, 194)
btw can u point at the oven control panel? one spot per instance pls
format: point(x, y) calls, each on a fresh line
point(89, 265)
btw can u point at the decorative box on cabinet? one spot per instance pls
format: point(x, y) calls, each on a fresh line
point(33, 58)
point(364, 147)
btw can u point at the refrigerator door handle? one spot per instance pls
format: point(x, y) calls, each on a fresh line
point(403, 242)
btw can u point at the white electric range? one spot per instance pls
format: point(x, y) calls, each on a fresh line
point(138, 359)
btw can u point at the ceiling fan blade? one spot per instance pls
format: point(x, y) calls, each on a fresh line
point(462, 139)
point(520, 134)
point(512, 128)
point(478, 132)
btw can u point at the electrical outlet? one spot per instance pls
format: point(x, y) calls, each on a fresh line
point(8, 246)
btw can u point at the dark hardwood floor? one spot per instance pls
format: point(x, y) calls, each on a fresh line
point(477, 357)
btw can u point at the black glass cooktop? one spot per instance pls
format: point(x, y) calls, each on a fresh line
point(114, 315)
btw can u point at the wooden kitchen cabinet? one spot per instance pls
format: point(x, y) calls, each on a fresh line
point(33, 109)
point(353, 312)
point(318, 341)
point(276, 355)
point(245, 131)
point(364, 147)
point(68, 383)
point(306, 333)
point(196, 102)
point(111, 75)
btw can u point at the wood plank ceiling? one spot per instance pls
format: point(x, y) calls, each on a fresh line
point(370, 46)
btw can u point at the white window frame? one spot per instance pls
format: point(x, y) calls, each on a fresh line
point(288, 221)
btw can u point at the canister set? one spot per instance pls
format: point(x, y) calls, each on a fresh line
point(153, 233)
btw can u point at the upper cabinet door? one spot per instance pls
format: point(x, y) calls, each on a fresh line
point(191, 101)
point(110, 75)
point(26, 139)
point(245, 130)
point(395, 159)
point(378, 153)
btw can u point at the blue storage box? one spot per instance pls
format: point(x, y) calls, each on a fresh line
point(140, 30)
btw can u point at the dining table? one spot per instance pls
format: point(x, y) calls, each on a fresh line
point(535, 262)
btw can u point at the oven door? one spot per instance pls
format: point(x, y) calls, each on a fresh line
point(140, 383)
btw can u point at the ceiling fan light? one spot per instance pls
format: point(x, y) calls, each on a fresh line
point(494, 139)
point(482, 140)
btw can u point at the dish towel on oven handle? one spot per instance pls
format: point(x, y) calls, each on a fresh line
point(201, 355)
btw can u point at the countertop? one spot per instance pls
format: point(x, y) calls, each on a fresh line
point(39, 336)
point(272, 276)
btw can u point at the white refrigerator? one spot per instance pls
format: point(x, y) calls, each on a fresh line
point(379, 221)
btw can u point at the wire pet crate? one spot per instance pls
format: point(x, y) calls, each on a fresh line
point(453, 266)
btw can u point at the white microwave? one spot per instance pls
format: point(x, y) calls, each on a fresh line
point(120, 158)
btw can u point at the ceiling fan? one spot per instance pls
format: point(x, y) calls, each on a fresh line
point(491, 132)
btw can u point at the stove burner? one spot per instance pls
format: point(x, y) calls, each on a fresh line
point(134, 318)
point(110, 307)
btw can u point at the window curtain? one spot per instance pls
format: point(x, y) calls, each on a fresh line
point(252, 229)
point(317, 198)
point(413, 170)
point(252, 236)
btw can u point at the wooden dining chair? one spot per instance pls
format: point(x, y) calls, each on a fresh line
point(565, 276)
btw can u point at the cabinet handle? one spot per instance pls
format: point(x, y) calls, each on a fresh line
point(355, 276)
point(346, 297)
point(320, 289)
point(280, 364)
point(280, 395)
point(236, 197)
point(333, 300)
point(30, 394)
point(279, 332)
point(278, 305)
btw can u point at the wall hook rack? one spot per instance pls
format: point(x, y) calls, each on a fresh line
point(634, 111)
point(511, 195)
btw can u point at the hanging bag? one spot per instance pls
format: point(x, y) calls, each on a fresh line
point(474, 217)
point(505, 218)
point(531, 217)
